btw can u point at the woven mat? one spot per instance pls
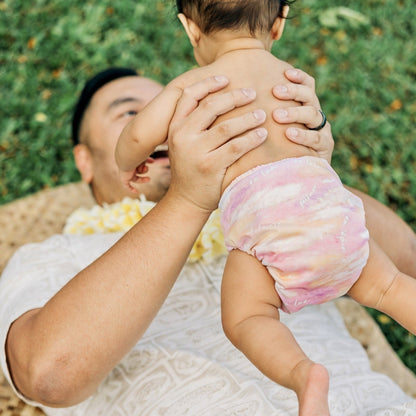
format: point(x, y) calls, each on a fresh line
point(43, 214)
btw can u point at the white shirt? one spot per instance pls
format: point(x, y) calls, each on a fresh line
point(184, 365)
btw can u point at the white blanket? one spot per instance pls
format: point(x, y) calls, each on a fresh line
point(184, 365)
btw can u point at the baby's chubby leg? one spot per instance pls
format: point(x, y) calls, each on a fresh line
point(250, 319)
point(383, 287)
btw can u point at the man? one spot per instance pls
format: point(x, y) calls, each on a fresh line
point(82, 321)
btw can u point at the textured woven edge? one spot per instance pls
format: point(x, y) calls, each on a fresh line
point(37, 217)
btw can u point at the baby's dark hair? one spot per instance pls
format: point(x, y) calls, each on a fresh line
point(215, 15)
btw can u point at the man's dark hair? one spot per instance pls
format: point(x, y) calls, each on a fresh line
point(215, 15)
point(90, 88)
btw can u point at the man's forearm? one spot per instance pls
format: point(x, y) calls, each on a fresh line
point(383, 224)
point(85, 330)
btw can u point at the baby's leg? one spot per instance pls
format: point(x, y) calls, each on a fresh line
point(251, 321)
point(383, 223)
point(383, 287)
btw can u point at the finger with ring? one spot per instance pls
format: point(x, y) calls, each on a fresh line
point(322, 125)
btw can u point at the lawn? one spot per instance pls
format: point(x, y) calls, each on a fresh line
point(362, 54)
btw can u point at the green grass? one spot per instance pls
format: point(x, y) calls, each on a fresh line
point(364, 64)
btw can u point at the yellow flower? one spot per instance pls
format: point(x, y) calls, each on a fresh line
point(383, 319)
point(31, 43)
point(121, 216)
point(396, 105)
point(41, 117)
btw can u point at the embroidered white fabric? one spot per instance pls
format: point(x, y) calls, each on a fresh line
point(184, 365)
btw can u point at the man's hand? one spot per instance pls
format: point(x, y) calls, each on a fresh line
point(200, 154)
point(301, 88)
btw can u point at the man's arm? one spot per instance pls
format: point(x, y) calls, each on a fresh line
point(383, 224)
point(59, 354)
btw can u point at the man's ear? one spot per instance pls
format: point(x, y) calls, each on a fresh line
point(84, 163)
point(191, 28)
point(279, 24)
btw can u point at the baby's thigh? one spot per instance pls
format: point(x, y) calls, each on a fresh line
point(247, 289)
point(375, 279)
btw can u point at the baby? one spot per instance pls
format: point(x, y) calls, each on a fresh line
point(295, 235)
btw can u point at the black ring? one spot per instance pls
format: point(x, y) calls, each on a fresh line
point(322, 125)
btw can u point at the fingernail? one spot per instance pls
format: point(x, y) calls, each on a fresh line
point(281, 90)
point(221, 79)
point(259, 115)
point(292, 132)
point(262, 133)
point(292, 72)
point(249, 92)
point(281, 114)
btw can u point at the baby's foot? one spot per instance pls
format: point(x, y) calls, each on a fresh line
point(313, 391)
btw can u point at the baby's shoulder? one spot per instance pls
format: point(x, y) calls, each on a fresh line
point(190, 77)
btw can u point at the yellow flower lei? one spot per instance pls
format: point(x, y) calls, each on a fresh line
point(121, 216)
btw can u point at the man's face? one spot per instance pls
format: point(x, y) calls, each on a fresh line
point(111, 108)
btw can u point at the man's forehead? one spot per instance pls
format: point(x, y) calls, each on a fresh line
point(127, 89)
point(124, 100)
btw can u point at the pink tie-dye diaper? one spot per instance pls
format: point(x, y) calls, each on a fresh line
point(296, 217)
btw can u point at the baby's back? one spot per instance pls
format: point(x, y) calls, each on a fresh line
point(260, 70)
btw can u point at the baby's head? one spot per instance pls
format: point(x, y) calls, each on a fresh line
point(253, 18)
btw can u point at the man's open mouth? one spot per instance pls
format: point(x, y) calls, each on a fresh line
point(160, 152)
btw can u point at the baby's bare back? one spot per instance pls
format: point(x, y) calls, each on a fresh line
point(260, 70)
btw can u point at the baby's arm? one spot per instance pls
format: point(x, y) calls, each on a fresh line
point(147, 130)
